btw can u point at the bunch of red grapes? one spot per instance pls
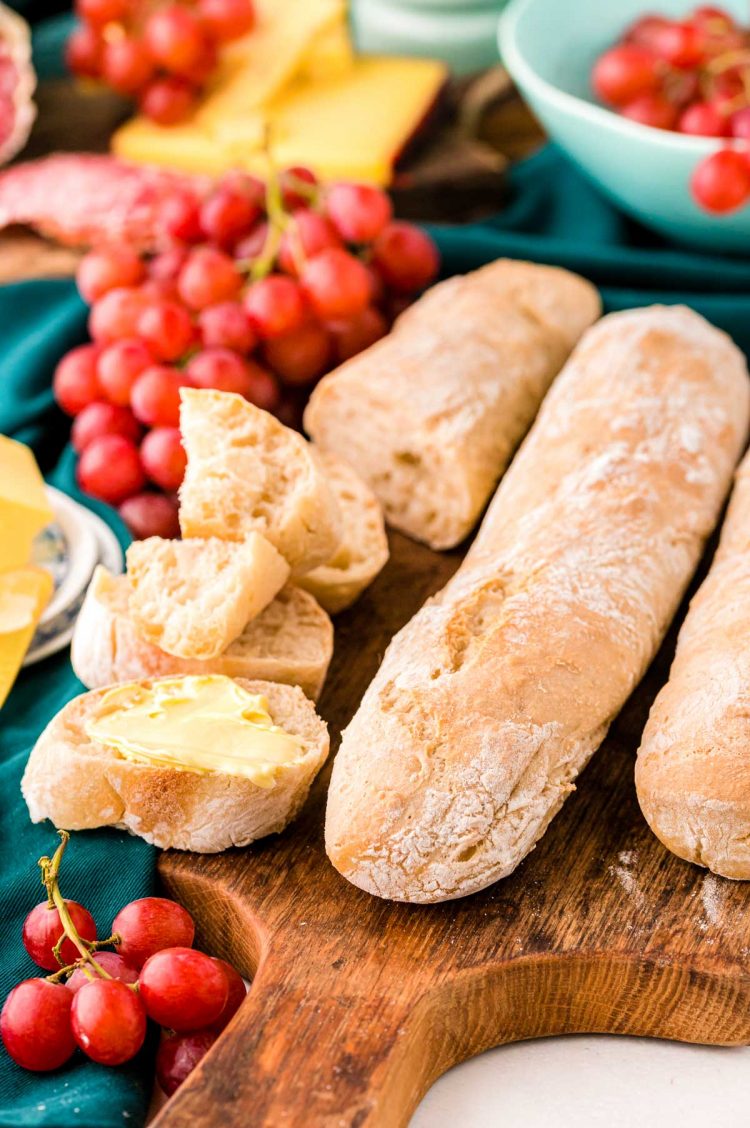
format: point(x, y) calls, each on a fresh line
point(162, 55)
point(691, 76)
point(100, 1001)
point(260, 291)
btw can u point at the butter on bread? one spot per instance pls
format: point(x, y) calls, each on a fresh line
point(363, 552)
point(290, 641)
point(493, 698)
point(430, 415)
point(80, 782)
point(247, 472)
point(193, 598)
point(693, 769)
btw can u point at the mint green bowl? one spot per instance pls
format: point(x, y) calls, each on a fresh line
point(549, 47)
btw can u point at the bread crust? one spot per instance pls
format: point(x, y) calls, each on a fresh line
point(693, 768)
point(80, 784)
point(492, 699)
point(291, 641)
point(430, 415)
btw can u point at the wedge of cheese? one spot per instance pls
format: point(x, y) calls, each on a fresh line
point(24, 509)
point(24, 593)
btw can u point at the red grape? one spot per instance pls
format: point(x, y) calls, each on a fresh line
point(406, 257)
point(226, 216)
point(263, 388)
point(83, 52)
point(174, 38)
point(336, 284)
point(308, 233)
point(103, 419)
point(298, 187)
point(178, 1056)
point(275, 305)
point(155, 398)
point(679, 44)
point(101, 12)
point(624, 73)
point(119, 366)
point(226, 325)
point(150, 924)
point(108, 268)
point(35, 1025)
point(301, 356)
point(359, 212)
point(167, 329)
point(221, 369)
point(357, 334)
point(740, 124)
point(225, 20)
point(126, 65)
point(703, 119)
point(180, 215)
point(163, 457)
point(108, 1021)
point(208, 277)
point(116, 315)
point(113, 964)
point(166, 266)
point(168, 101)
point(654, 110)
point(721, 182)
point(183, 989)
point(76, 383)
point(151, 515)
point(110, 469)
point(644, 29)
point(42, 929)
point(252, 246)
point(235, 998)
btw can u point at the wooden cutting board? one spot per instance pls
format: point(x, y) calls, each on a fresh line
point(358, 1005)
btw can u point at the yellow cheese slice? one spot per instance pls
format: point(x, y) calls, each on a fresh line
point(24, 593)
point(24, 509)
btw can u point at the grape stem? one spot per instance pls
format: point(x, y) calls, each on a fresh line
point(50, 872)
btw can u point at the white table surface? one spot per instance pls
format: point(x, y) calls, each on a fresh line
point(593, 1082)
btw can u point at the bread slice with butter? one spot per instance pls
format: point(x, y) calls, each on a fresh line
point(291, 641)
point(193, 598)
point(247, 472)
point(190, 763)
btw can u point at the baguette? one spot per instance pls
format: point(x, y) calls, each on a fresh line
point(80, 784)
point(492, 699)
point(431, 415)
point(693, 772)
point(247, 472)
point(193, 598)
point(290, 641)
point(363, 552)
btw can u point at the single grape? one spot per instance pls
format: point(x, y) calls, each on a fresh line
point(235, 997)
point(406, 257)
point(83, 52)
point(110, 469)
point(163, 457)
point(220, 369)
point(167, 329)
point(108, 1021)
point(275, 305)
point(183, 989)
point(76, 383)
point(359, 212)
point(226, 325)
point(166, 266)
point(35, 1025)
point(151, 515)
point(308, 233)
point(300, 357)
point(101, 12)
point(126, 65)
point(180, 216)
point(117, 314)
point(358, 333)
point(42, 929)
point(103, 419)
point(262, 387)
point(624, 73)
point(225, 20)
point(113, 964)
point(119, 366)
point(174, 38)
point(740, 124)
point(721, 182)
point(336, 284)
point(654, 110)
point(178, 1056)
point(299, 187)
point(108, 268)
point(155, 398)
point(249, 249)
point(227, 216)
point(209, 276)
point(644, 29)
point(168, 101)
point(703, 119)
point(148, 925)
point(679, 44)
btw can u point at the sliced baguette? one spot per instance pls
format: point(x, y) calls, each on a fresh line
point(80, 784)
point(362, 553)
point(248, 472)
point(193, 598)
point(291, 641)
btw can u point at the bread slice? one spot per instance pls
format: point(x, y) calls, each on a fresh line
point(364, 550)
point(193, 598)
point(291, 641)
point(80, 784)
point(248, 472)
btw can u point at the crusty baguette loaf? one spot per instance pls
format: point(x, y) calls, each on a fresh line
point(431, 415)
point(248, 472)
point(693, 767)
point(193, 598)
point(80, 784)
point(291, 641)
point(492, 699)
point(363, 552)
